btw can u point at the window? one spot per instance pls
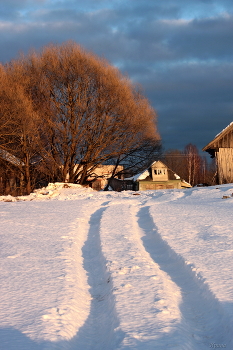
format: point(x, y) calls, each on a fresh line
point(160, 171)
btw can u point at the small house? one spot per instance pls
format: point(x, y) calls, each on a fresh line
point(157, 176)
point(221, 148)
point(101, 174)
point(98, 178)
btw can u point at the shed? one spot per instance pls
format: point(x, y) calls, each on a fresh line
point(221, 148)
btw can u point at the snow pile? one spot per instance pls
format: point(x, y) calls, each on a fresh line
point(57, 190)
point(104, 271)
point(61, 191)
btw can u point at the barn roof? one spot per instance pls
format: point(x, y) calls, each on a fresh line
point(215, 143)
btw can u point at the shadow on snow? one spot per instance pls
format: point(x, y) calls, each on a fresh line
point(203, 317)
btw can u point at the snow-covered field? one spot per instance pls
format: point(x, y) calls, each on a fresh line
point(85, 270)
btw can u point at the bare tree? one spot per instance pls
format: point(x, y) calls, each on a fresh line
point(193, 163)
point(5, 110)
point(189, 165)
point(64, 111)
point(21, 138)
point(176, 160)
point(91, 112)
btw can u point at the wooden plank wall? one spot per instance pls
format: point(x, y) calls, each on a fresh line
point(225, 165)
point(226, 141)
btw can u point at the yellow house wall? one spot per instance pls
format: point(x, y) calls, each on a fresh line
point(159, 185)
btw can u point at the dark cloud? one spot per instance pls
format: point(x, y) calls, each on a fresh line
point(193, 101)
point(181, 53)
point(204, 39)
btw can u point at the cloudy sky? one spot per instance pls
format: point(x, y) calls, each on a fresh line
point(181, 52)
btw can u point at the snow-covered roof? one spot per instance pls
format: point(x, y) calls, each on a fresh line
point(141, 176)
point(176, 176)
point(214, 143)
point(145, 174)
point(231, 124)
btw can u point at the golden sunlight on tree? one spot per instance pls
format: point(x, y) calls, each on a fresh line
point(73, 111)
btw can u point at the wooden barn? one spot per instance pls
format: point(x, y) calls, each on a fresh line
point(221, 147)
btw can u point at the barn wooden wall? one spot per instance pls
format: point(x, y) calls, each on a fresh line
point(225, 165)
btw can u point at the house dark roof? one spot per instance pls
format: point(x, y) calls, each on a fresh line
point(146, 175)
point(171, 176)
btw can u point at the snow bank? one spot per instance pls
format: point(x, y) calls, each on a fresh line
point(57, 190)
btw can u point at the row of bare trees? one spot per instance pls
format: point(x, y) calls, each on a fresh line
point(64, 111)
point(191, 166)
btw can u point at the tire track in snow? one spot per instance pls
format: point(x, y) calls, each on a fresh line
point(148, 315)
point(98, 331)
point(203, 318)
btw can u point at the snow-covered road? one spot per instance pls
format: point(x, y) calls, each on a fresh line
point(105, 271)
